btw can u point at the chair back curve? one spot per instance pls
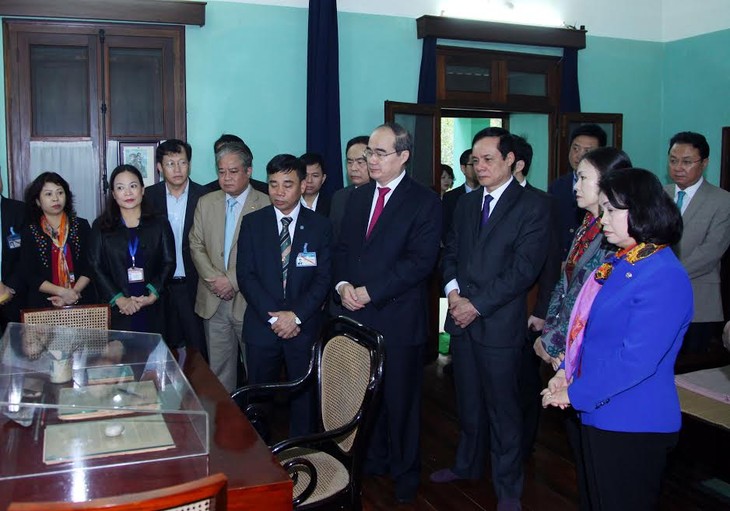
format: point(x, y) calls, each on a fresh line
point(351, 369)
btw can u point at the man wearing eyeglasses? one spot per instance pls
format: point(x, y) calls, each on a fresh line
point(357, 173)
point(386, 252)
point(448, 202)
point(213, 247)
point(706, 215)
point(175, 198)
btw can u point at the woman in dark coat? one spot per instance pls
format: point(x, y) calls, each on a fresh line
point(132, 255)
point(54, 246)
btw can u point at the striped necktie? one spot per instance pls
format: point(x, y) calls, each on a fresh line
point(285, 245)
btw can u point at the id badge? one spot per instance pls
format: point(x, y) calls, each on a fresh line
point(135, 275)
point(13, 239)
point(306, 259)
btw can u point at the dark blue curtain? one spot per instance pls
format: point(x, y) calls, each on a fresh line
point(323, 90)
point(427, 79)
point(569, 91)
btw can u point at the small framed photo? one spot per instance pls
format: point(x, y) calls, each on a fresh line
point(142, 156)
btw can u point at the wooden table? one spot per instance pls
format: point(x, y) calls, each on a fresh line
point(255, 478)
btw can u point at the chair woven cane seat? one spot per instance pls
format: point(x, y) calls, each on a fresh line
point(332, 476)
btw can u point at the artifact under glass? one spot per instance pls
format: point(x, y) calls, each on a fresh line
point(83, 398)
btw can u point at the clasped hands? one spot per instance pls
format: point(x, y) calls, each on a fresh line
point(221, 287)
point(131, 305)
point(556, 393)
point(461, 310)
point(285, 325)
point(66, 296)
point(353, 298)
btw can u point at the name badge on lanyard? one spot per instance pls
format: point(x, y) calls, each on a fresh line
point(13, 239)
point(134, 274)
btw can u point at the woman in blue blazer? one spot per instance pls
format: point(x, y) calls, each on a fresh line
point(624, 335)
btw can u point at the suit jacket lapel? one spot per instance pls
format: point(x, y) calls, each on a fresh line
point(396, 199)
point(695, 205)
point(504, 204)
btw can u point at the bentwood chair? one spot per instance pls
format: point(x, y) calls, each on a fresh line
point(78, 316)
point(347, 368)
point(208, 493)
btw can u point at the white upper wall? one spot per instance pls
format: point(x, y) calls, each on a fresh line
point(647, 20)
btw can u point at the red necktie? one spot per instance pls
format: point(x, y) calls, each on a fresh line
point(378, 209)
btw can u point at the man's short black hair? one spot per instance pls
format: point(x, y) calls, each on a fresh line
point(226, 138)
point(287, 163)
point(696, 140)
point(313, 159)
point(653, 215)
point(523, 152)
point(465, 157)
point(360, 139)
point(173, 146)
point(590, 130)
point(506, 140)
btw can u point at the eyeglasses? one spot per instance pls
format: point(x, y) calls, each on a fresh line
point(182, 164)
point(377, 154)
point(674, 162)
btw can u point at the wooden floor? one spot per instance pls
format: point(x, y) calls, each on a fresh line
point(549, 474)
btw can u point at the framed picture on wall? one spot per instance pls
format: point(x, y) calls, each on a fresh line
point(142, 156)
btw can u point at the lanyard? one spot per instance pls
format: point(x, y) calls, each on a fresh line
point(133, 245)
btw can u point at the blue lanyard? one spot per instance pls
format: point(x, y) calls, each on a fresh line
point(133, 248)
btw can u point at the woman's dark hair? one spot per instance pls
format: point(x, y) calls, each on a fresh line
point(112, 216)
point(33, 193)
point(606, 159)
point(653, 215)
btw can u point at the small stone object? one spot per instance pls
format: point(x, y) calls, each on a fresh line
point(115, 429)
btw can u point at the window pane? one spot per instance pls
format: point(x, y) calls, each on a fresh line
point(420, 163)
point(59, 77)
point(527, 84)
point(467, 77)
point(136, 104)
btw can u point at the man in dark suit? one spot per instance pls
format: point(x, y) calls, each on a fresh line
point(386, 252)
point(284, 271)
point(494, 253)
point(583, 139)
point(357, 173)
point(227, 138)
point(175, 198)
point(450, 198)
point(537, 306)
point(12, 218)
point(316, 176)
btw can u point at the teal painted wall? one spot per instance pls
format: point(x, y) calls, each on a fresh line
point(246, 74)
point(696, 95)
point(624, 76)
point(534, 129)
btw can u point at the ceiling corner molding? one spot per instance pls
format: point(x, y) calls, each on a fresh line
point(494, 32)
point(180, 12)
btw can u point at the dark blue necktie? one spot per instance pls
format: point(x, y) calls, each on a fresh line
point(485, 209)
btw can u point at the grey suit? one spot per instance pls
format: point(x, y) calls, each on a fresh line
point(705, 239)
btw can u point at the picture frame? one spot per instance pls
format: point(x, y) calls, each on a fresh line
point(140, 154)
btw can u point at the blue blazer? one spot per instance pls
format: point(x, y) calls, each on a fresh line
point(635, 329)
point(258, 270)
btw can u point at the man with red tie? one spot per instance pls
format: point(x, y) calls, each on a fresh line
point(386, 251)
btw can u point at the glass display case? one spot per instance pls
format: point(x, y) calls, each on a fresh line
point(83, 398)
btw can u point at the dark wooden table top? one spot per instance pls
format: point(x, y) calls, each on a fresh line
point(255, 478)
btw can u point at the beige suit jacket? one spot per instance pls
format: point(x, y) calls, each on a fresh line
point(705, 239)
point(206, 248)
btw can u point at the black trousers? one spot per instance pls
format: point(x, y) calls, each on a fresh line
point(624, 470)
point(182, 326)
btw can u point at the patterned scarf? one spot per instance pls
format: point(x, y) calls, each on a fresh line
point(59, 263)
point(582, 308)
point(587, 232)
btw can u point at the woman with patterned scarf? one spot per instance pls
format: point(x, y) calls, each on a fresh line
point(625, 331)
point(587, 252)
point(53, 246)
